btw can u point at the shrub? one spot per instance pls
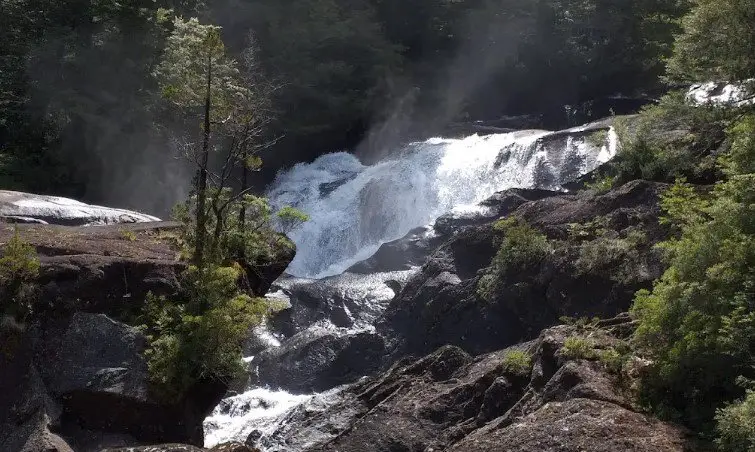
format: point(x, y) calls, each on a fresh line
point(601, 184)
point(517, 362)
point(197, 335)
point(617, 257)
point(577, 347)
point(522, 249)
point(735, 424)
point(657, 148)
point(19, 268)
point(249, 237)
point(612, 360)
point(698, 324)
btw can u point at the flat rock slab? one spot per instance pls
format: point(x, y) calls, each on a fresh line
point(19, 207)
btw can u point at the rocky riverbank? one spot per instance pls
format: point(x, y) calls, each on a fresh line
point(75, 377)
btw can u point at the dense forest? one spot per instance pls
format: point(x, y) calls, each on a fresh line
point(98, 97)
point(82, 114)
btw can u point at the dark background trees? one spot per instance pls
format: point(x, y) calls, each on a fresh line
point(80, 115)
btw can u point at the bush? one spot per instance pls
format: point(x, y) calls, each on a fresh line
point(198, 334)
point(522, 249)
point(517, 362)
point(698, 323)
point(658, 148)
point(736, 425)
point(251, 240)
point(577, 347)
point(617, 257)
point(19, 268)
point(612, 360)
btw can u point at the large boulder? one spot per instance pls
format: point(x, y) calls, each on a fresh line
point(319, 359)
point(594, 270)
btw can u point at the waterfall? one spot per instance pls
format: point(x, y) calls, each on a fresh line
point(355, 208)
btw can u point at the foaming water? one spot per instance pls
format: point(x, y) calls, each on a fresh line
point(355, 208)
point(238, 416)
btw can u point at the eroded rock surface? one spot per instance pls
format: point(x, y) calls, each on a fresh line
point(19, 207)
point(449, 400)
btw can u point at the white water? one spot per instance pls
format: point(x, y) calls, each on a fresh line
point(355, 208)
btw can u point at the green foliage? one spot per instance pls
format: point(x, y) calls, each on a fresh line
point(522, 249)
point(671, 140)
point(198, 334)
point(736, 425)
point(578, 347)
point(19, 268)
point(618, 257)
point(613, 360)
point(517, 362)
point(601, 184)
point(598, 138)
point(716, 42)
point(128, 235)
point(193, 54)
point(595, 228)
point(229, 241)
point(698, 323)
point(290, 217)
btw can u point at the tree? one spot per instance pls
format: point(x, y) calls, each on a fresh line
point(716, 43)
point(698, 323)
point(199, 77)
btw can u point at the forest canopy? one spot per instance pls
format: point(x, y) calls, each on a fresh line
point(81, 113)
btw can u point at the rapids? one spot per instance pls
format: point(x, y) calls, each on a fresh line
point(354, 209)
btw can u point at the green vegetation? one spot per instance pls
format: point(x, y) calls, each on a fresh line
point(578, 347)
point(80, 103)
point(619, 256)
point(522, 249)
point(517, 363)
point(19, 268)
point(698, 323)
point(716, 43)
point(736, 425)
point(672, 140)
point(128, 235)
point(197, 335)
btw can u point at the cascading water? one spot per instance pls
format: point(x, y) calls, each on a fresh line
point(355, 208)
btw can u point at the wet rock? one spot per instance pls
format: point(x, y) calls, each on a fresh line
point(77, 368)
point(449, 400)
point(30, 208)
point(317, 360)
point(433, 310)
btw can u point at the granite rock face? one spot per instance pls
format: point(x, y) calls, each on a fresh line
point(19, 207)
point(74, 377)
point(450, 400)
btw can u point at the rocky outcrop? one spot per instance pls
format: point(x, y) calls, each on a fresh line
point(449, 400)
point(18, 207)
point(75, 376)
point(319, 359)
point(603, 253)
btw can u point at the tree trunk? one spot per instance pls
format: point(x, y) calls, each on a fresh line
point(202, 174)
point(244, 186)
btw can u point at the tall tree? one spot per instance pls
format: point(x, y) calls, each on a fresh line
point(717, 42)
point(198, 77)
